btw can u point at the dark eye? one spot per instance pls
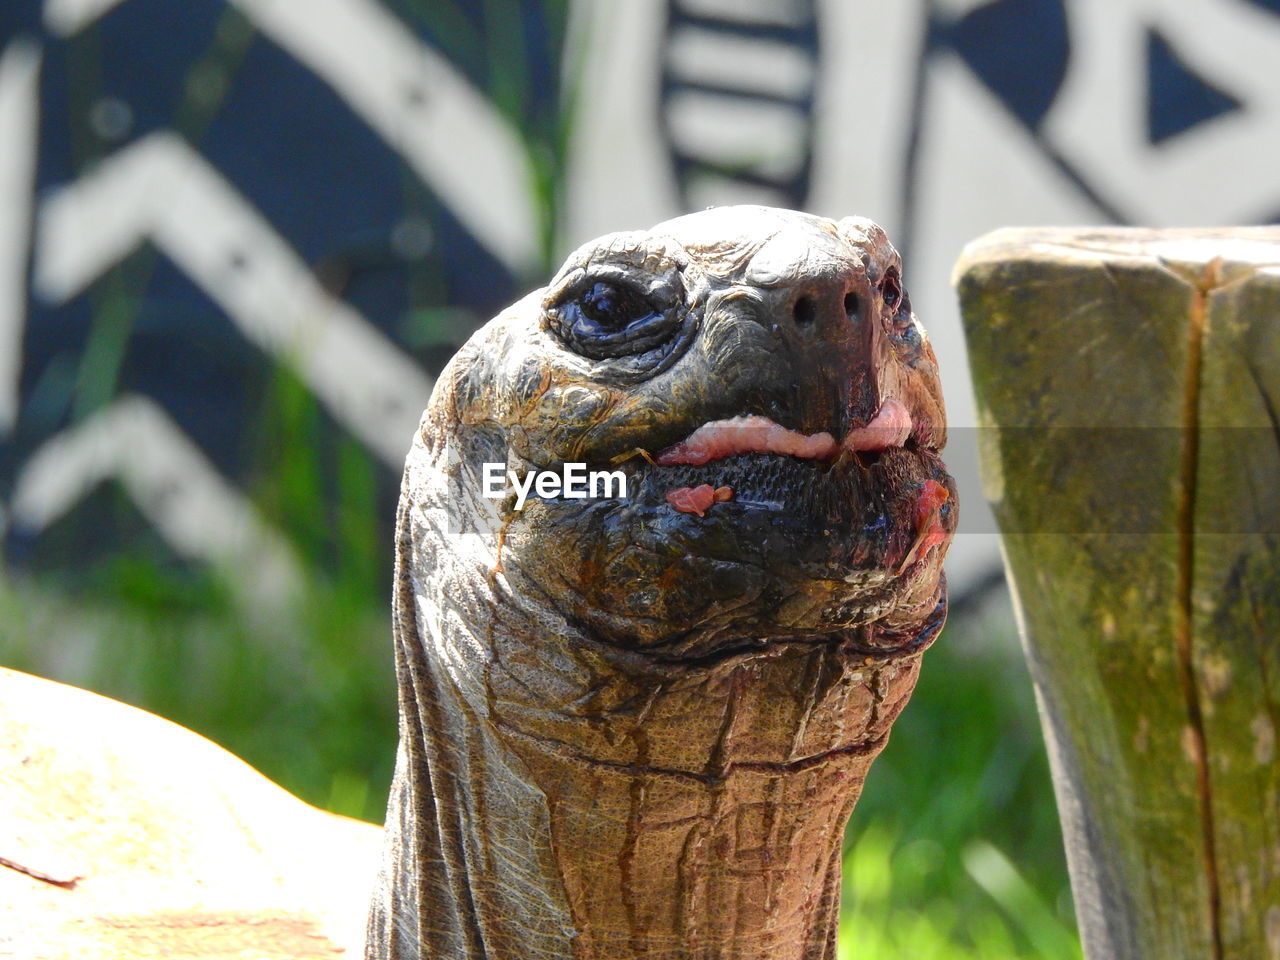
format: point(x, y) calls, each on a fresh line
point(611, 307)
point(897, 306)
point(611, 319)
point(891, 289)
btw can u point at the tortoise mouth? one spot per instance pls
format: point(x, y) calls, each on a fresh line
point(764, 481)
point(816, 536)
point(890, 426)
point(743, 456)
point(859, 507)
point(715, 441)
point(805, 547)
point(747, 489)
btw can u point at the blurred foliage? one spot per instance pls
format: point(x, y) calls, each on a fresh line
point(305, 693)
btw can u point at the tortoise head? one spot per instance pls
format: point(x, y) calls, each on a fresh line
point(755, 415)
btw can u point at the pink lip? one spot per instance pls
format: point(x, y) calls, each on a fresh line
point(890, 427)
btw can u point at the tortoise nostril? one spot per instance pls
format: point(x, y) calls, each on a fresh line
point(851, 305)
point(804, 311)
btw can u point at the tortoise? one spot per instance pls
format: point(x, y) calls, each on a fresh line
point(634, 722)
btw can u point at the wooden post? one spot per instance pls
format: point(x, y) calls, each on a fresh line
point(1128, 386)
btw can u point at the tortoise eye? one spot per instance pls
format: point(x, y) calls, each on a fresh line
point(891, 289)
point(607, 319)
point(611, 307)
point(897, 307)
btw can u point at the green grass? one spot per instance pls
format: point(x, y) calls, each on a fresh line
point(954, 851)
point(311, 705)
point(307, 693)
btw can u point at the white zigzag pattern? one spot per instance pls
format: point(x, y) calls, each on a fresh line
point(19, 110)
point(450, 135)
point(180, 492)
point(161, 190)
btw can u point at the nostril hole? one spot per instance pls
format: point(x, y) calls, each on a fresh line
point(851, 305)
point(805, 312)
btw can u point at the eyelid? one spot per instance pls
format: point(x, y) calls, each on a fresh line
point(651, 332)
point(661, 285)
point(582, 284)
point(645, 331)
point(657, 272)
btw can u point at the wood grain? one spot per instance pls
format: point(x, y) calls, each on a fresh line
point(1128, 384)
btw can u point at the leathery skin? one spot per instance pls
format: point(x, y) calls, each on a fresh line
point(630, 730)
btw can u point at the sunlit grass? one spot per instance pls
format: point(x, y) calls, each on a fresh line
point(888, 914)
point(954, 851)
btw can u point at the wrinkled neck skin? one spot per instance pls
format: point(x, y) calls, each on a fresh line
point(557, 796)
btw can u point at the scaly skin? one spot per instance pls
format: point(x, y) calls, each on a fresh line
point(629, 731)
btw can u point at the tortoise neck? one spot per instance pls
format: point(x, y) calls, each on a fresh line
point(727, 848)
point(599, 808)
point(468, 869)
point(559, 797)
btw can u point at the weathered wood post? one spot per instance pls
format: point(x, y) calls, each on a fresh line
point(1128, 384)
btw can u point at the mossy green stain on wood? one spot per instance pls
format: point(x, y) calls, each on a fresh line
point(1235, 603)
point(1134, 377)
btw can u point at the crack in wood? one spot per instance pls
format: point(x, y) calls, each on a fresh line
point(67, 883)
point(1197, 329)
